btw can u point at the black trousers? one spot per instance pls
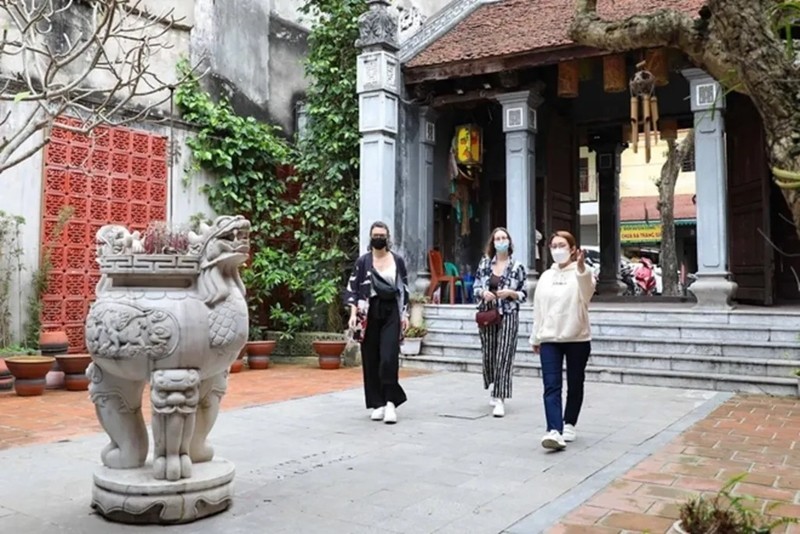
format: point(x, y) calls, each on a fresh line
point(380, 354)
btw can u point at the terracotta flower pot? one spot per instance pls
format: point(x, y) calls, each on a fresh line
point(74, 367)
point(236, 367)
point(29, 373)
point(52, 344)
point(6, 380)
point(258, 353)
point(329, 353)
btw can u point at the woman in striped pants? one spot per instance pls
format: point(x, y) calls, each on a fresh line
point(500, 283)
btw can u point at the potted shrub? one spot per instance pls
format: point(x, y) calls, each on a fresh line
point(726, 512)
point(412, 342)
point(29, 371)
point(259, 349)
point(236, 367)
point(416, 304)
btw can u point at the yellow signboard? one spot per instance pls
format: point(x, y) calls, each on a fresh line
point(640, 233)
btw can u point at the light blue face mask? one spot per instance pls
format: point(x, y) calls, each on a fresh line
point(501, 246)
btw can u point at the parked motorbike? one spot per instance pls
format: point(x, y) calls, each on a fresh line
point(645, 278)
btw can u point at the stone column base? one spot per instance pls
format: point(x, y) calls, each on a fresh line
point(422, 282)
point(611, 287)
point(714, 291)
point(530, 285)
point(134, 496)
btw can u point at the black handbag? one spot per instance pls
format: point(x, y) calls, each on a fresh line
point(383, 289)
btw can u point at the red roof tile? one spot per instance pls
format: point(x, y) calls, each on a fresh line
point(512, 27)
point(635, 208)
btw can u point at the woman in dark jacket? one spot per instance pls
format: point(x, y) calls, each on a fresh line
point(377, 294)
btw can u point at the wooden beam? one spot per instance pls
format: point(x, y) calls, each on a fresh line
point(464, 69)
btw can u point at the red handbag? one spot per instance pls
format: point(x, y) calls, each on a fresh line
point(488, 317)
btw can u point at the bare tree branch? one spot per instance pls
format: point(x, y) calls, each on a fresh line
point(92, 59)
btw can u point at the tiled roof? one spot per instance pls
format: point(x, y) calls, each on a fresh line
point(642, 208)
point(510, 27)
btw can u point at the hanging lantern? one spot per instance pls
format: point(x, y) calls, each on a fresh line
point(469, 145)
point(568, 79)
point(669, 129)
point(657, 63)
point(615, 74)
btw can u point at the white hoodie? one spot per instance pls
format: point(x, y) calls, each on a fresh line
point(561, 305)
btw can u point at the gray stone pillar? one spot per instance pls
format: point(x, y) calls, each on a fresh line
point(608, 168)
point(713, 288)
point(424, 200)
point(519, 125)
point(378, 86)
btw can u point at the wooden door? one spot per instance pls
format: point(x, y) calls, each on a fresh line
point(561, 184)
point(751, 255)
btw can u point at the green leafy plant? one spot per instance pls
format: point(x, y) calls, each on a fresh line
point(10, 262)
point(17, 350)
point(416, 332)
point(41, 278)
point(726, 512)
point(797, 372)
point(243, 155)
point(327, 159)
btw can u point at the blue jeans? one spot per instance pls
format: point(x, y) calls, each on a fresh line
point(552, 358)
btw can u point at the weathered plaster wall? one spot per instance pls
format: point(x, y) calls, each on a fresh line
point(255, 54)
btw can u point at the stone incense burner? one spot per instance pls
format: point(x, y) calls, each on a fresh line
point(177, 321)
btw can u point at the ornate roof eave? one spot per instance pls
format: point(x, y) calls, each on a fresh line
point(438, 25)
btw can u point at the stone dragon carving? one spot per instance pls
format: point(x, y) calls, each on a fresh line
point(177, 321)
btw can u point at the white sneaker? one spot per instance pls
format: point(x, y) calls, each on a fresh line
point(499, 408)
point(377, 414)
point(390, 416)
point(569, 433)
point(553, 440)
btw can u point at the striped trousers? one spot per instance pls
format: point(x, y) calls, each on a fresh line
point(499, 344)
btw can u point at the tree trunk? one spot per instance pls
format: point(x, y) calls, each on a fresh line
point(737, 42)
point(666, 206)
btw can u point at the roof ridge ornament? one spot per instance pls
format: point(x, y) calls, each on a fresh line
point(377, 28)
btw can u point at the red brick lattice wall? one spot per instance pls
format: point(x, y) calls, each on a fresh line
point(113, 176)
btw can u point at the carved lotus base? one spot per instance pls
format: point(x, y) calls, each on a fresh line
point(134, 496)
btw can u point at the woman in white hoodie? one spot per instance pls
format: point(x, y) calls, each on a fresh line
point(561, 329)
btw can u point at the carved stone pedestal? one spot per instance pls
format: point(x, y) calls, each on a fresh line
point(134, 496)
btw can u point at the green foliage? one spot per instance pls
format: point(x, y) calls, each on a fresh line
point(41, 278)
point(416, 332)
point(327, 162)
point(242, 155)
point(10, 262)
point(786, 16)
point(726, 512)
point(17, 350)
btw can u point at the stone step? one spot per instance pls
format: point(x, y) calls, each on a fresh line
point(623, 375)
point(664, 330)
point(710, 364)
point(655, 314)
point(642, 345)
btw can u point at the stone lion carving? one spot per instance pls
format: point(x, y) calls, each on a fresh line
point(177, 322)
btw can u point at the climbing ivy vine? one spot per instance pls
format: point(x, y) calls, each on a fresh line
point(328, 154)
point(243, 155)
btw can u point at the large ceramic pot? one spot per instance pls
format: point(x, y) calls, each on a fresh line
point(53, 343)
point(29, 373)
point(6, 380)
point(177, 321)
point(258, 353)
point(236, 366)
point(329, 353)
point(74, 368)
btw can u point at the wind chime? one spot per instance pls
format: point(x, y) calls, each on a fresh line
point(466, 151)
point(643, 86)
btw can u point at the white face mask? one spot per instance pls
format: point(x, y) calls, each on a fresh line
point(560, 255)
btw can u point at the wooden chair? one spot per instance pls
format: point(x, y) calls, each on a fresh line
point(438, 277)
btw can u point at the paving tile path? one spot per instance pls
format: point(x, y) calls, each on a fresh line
point(757, 435)
point(318, 464)
point(60, 414)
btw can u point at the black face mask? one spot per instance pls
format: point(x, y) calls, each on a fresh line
point(378, 243)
